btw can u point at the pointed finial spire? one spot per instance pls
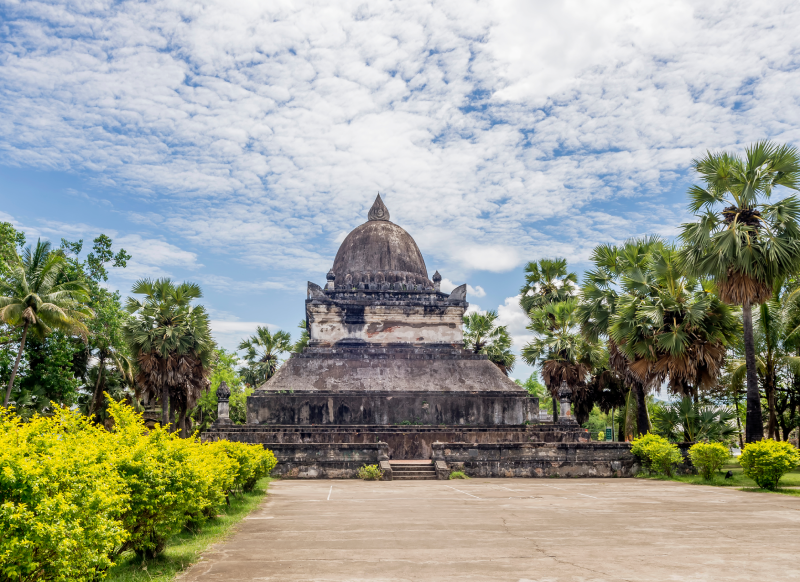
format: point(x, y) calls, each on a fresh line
point(378, 210)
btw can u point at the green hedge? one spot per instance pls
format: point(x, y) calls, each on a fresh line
point(73, 495)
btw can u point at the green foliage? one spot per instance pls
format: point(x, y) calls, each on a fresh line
point(766, 461)
point(223, 370)
point(458, 475)
point(370, 472)
point(261, 352)
point(597, 423)
point(301, 344)
point(656, 453)
point(482, 335)
point(538, 390)
point(73, 495)
point(10, 240)
point(61, 498)
point(688, 421)
point(50, 377)
point(708, 458)
point(546, 281)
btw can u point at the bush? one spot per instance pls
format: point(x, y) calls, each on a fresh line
point(656, 453)
point(61, 498)
point(73, 495)
point(765, 462)
point(708, 458)
point(370, 472)
point(458, 475)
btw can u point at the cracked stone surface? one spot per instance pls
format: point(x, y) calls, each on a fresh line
point(525, 530)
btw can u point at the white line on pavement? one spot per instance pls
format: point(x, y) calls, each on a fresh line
point(464, 492)
point(329, 493)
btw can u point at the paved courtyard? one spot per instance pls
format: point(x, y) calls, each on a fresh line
point(543, 530)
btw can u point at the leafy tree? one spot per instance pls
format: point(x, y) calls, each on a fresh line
point(690, 421)
point(10, 240)
point(482, 335)
point(538, 390)
point(261, 353)
point(564, 354)
point(742, 242)
point(32, 298)
point(301, 344)
point(546, 281)
point(172, 344)
point(224, 370)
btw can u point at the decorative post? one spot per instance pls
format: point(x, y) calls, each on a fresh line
point(331, 277)
point(565, 396)
point(437, 282)
point(223, 410)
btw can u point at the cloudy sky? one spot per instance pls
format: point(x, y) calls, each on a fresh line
point(236, 143)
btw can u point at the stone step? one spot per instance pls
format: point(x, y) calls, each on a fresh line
point(404, 477)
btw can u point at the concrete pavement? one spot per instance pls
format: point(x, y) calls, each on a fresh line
point(543, 530)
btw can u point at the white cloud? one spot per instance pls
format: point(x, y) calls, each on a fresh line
point(229, 332)
point(447, 286)
point(498, 130)
point(513, 317)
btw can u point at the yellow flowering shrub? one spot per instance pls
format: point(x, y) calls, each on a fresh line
point(254, 463)
point(765, 462)
point(657, 453)
point(708, 458)
point(61, 498)
point(73, 495)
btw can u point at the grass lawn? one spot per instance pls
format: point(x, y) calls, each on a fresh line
point(739, 481)
point(185, 548)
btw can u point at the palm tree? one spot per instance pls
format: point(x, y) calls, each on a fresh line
point(743, 243)
point(564, 354)
point(32, 298)
point(776, 339)
point(261, 353)
point(171, 341)
point(482, 335)
point(301, 344)
point(546, 281)
point(689, 421)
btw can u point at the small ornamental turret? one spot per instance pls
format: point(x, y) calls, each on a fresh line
point(378, 210)
point(331, 284)
point(565, 397)
point(223, 410)
point(437, 282)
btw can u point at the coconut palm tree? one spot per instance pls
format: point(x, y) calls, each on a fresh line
point(171, 341)
point(742, 242)
point(482, 335)
point(546, 281)
point(564, 354)
point(31, 297)
point(261, 352)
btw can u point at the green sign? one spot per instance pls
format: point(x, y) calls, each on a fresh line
point(609, 434)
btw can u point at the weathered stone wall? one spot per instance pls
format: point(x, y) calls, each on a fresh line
point(427, 408)
point(539, 459)
point(353, 321)
point(404, 442)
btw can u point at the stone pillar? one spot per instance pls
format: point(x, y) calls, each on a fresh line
point(565, 397)
point(223, 409)
point(437, 282)
point(331, 284)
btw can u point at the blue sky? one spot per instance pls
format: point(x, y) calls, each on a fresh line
point(235, 144)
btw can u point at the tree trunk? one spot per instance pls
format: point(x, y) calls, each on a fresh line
point(164, 406)
point(16, 364)
point(172, 426)
point(642, 421)
point(612, 424)
point(738, 420)
point(182, 422)
point(95, 395)
point(754, 424)
point(555, 409)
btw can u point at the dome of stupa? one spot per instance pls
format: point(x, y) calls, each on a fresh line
point(379, 251)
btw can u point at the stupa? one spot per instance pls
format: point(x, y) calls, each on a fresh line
point(385, 375)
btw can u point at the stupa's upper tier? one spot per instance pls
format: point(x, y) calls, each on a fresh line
point(379, 252)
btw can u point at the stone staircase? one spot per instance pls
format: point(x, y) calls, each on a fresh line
point(412, 470)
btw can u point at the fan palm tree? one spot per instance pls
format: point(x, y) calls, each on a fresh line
point(261, 352)
point(301, 343)
point(564, 354)
point(32, 298)
point(690, 421)
point(171, 341)
point(743, 243)
point(482, 335)
point(546, 281)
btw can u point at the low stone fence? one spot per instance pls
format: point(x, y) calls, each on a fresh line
point(325, 461)
point(538, 459)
